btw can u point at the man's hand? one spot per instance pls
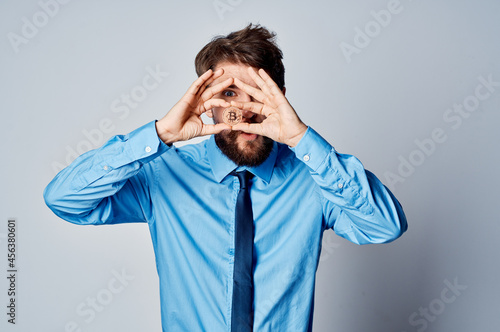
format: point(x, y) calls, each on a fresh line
point(183, 121)
point(282, 123)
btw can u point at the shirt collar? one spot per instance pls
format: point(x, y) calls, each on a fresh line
point(222, 165)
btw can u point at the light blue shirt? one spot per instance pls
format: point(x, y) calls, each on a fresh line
point(188, 198)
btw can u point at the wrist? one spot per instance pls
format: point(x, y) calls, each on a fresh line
point(164, 134)
point(295, 139)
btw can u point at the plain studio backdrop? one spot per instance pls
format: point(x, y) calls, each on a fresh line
point(411, 88)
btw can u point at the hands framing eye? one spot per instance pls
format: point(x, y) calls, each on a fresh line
point(184, 121)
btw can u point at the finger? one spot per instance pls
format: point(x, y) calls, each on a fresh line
point(213, 103)
point(259, 81)
point(275, 90)
point(213, 90)
point(255, 93)
point(251, 128)
point(215, 76)
point(200, 82)
point(209, 129)
point(257, 108)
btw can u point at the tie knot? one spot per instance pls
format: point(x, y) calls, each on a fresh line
point(244, 177)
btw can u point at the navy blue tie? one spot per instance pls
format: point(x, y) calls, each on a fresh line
point(242, 313)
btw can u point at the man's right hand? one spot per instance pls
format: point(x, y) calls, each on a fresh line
point(183, 121)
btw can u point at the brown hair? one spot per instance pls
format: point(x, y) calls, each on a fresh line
point(254, 46)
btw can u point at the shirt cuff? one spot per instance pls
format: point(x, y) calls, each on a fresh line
point(145, 143)
point(312, 149)
point(141, 145)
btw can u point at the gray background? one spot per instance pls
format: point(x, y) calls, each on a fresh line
point(375, 104)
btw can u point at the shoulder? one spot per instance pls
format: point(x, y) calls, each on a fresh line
point(193, 151)
point(178, 157)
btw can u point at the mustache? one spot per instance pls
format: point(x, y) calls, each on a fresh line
point(255, 118)
point(252, 153)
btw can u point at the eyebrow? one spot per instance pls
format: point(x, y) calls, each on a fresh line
point(232, 86)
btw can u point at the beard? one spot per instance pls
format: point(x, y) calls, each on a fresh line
point(251, 153)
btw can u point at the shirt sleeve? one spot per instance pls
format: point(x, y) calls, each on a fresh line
point(106, 185)
point(356, 204)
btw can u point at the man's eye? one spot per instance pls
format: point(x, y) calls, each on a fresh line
point(229, 93)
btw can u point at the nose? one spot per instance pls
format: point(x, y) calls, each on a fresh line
point(247, 114)
point(244, 97)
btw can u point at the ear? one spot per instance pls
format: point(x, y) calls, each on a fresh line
point(210, 113)
point(284, 90)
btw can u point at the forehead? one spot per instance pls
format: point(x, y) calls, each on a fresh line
point(235, 70)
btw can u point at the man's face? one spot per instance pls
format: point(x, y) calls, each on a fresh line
point(243, 148)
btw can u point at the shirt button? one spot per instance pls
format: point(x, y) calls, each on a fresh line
point(148, 149)
point(306, 157)
point(340, 185)
point(105, 168)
